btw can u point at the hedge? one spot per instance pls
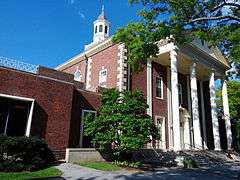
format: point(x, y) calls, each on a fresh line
point(24, 154)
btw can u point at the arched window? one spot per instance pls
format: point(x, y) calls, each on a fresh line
point(106, 29)
point(101, 28)
point(95, 29)
point(77, 75)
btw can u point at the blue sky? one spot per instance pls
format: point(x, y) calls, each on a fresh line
point(48, 32)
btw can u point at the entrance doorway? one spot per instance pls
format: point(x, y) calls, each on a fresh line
point(85, 141)
point(160, 124)
point(184, 128)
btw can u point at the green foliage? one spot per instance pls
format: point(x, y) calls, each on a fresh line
point(233, 88)
point(189, 163)
point(217, 22)
point(127, 164)
point(122, 125)
point(23, 153)
point(41, 174)
point(103, 166)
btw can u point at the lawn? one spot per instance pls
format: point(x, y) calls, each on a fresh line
point(45, 173)
point(104, 166)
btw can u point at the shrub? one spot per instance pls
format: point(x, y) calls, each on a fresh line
point(189, 163)
point(24, 153)
point(127, 164)
point(122, 125)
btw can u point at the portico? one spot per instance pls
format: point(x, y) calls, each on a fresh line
point(190, 126)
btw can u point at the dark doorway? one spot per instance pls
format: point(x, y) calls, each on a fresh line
point(85, 141)
point(13, 116)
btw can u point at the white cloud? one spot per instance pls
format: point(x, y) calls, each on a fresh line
point(81, 15)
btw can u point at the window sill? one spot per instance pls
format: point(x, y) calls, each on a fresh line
point(159, 98)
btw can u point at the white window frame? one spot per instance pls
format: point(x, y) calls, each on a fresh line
point(161, 80)
point(180, 92)
point(77, 78)
point(102, 78)
point(82, 125)
point(30, 115)
point(163, 138)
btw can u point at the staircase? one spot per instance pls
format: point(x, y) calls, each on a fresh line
point(210, 157)
point(171, 158)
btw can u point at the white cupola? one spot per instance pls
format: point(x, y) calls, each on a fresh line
point(101, 28)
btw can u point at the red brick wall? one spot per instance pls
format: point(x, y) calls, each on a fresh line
point(139, 81)
point(83, 100)
point(81, 66)
point(52, 113)
point(109, 59)
point(160, 107)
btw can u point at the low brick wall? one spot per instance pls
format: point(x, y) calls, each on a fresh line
point(82, 154)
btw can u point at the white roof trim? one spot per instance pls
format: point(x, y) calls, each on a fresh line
point(16, 97)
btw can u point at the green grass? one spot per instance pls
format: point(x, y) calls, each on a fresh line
point(103, 166)
point(45, 173)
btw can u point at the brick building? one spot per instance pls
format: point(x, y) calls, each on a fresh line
point(45, 103)
point(178, 86)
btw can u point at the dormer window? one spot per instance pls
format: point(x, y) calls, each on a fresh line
point(101, 28)
point(77, 75)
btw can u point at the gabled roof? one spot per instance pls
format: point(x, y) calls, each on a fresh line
point(212, 51)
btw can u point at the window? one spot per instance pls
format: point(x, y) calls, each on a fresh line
point(159, 87)
point(106, 29)
point(160, 125)
point(77, 75)
point(95, 29)
point(180, 95)
point(100, 28)
point(103, 77)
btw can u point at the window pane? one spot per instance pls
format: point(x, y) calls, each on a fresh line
point(95, 29)
point(106, 29)
point(159, 87)
point(100, 28)
point(77, 76)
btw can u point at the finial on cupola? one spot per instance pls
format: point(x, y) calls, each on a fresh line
point(102, 15)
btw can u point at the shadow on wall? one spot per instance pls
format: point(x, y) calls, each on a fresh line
point(39, 121)
point(79, 103)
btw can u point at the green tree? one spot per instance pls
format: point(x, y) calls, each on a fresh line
point(121, 126)
point(216, 21)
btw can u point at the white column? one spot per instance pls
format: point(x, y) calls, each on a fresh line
point(175, 100)
point(149, 94)
point(214, 112)
point(29, 122)
point(190, 110)
point(149, 87)
point(169, 100)
point(203, 117)
point(187, 142)
point(195, 111)
point(226, 113)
